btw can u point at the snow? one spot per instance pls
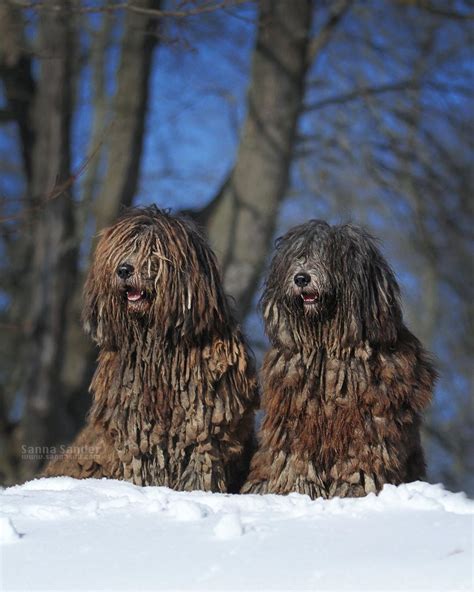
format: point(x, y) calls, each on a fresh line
point(229, 527)
point(8, 534)
point(65, 534)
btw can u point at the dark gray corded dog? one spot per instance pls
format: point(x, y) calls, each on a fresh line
point(344, 382)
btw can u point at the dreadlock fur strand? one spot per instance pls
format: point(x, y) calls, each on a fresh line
point(175, 389)
point(344, 382)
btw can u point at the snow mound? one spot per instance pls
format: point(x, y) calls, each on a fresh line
point(106, 534)
point(64, 496)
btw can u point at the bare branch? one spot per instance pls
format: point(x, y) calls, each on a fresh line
point(381, 89)
point(205, 7)
point(338, 10)
point(59, 189)
point(437, 11)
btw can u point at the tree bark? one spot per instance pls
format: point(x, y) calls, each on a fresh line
point(123, 144)
point(125, 138)
point(19, 90)
point(15, 71)
point(54, 261)
point(80, 355)
point(241, 220)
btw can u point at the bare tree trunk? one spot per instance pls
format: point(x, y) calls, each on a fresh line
point(19, 89)
point(54, 260)
point(240, 222)
point(125, 141)
point(15, 71)
point(123, 145)
point(80, 355)
point(100, 104)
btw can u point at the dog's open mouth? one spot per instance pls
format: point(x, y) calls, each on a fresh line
point(309, 299)
point(135, 296)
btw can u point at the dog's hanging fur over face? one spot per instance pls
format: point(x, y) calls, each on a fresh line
point(344, 382)
point(175, 388)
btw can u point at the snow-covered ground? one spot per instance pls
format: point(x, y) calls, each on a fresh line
point(63, 534)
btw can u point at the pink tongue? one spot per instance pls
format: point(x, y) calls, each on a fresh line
point(134, 295)
point(308, 298)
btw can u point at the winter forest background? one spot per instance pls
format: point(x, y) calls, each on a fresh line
point(251, 117)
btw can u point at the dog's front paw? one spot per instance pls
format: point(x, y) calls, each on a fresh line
point(357, 485)
point(204, 473)
point(256, 487)
point(300, 485)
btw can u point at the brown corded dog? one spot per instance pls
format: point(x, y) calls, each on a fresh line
point(175, 389)
point(345, 381)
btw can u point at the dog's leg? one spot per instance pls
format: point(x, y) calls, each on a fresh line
point(415, 466)
point(359, 487)
point(89, 455)
point(282, 473)
point(231, 424)
point(238, 464)
point(202, 469)
point(300, 485)
point(366, 473)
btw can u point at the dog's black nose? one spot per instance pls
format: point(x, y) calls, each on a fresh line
point(124, 271)
point(302, 279)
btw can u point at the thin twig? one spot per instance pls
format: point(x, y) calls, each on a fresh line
point(62, 187)
point(205, 8)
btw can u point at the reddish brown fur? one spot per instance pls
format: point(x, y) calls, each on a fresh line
point(342, 393)
point(175, 389)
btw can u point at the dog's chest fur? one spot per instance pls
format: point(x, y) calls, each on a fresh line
point(342, 422)
point(150, 402)
point(327, 407)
